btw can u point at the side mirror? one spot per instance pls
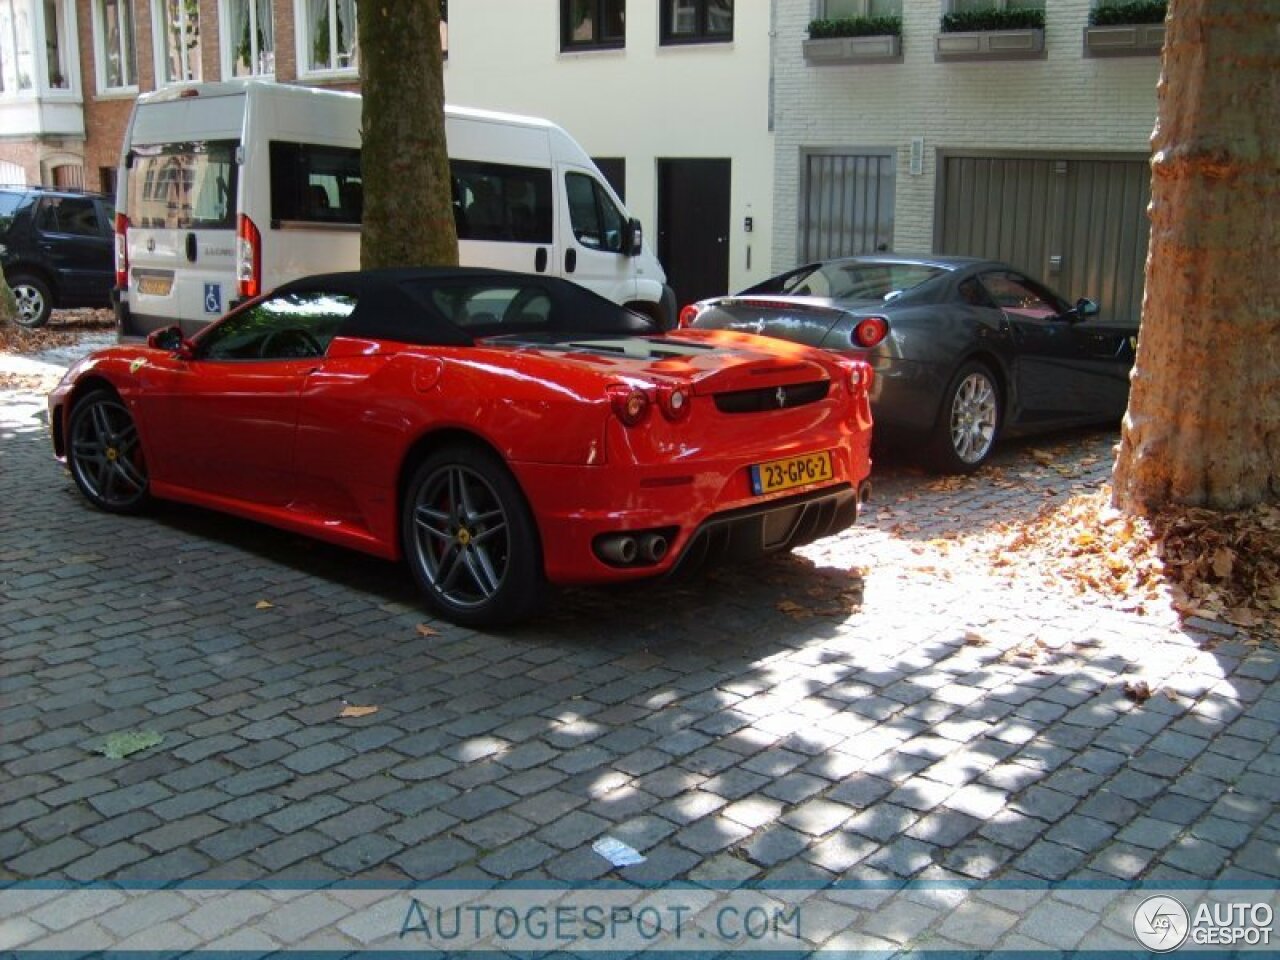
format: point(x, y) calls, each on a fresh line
point(1083, 309)
point(633, 238)
point(171, 340)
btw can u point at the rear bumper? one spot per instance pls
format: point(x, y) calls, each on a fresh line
point(756, 531)
point(704, 517)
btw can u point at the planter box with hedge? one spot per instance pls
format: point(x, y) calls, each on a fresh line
point(1125, 29)
point(1014, 34)
point(854, 40)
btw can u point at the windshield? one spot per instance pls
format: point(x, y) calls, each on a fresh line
point(861, 281)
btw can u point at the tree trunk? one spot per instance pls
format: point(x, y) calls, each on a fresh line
point(408, 208)
point(8, 305)
point(1203, 425)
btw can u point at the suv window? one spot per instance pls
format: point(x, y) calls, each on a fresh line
point(77, 216)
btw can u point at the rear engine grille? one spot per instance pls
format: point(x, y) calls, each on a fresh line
point(772, 398)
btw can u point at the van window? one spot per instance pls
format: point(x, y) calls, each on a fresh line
point(495, 201)
point(315, 184)
point(596, 222)
point(183, 186)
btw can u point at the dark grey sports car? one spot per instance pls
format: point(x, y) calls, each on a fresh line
point(964, 350)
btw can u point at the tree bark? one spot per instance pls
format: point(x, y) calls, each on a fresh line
point(408, 209)
point(1203, 425)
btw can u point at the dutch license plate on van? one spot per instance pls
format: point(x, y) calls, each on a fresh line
point(791, 472)
point(155, 286)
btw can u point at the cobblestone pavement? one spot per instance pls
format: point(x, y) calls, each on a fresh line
point(867, 709)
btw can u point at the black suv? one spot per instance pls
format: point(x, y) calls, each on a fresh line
point(57, 249)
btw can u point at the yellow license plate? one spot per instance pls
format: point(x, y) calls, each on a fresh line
point(791, 472)
point(155, 286)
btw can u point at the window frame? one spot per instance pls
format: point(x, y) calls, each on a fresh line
point(129, 40)
point(950, 5)
point(864, 9)
point(702, 34)
point(227, 45)
point(304, 45)
point(160, 50)
point(598, 19)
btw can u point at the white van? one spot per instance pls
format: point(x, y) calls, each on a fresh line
point(227, 190)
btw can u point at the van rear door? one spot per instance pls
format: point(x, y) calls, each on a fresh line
point(182, 232)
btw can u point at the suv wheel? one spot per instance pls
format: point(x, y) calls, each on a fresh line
point(34, 301)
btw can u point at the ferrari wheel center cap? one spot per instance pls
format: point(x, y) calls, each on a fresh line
point(464, 536)
point(112, 454)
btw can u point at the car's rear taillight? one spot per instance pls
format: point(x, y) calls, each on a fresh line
point(630, 404)
point(869, 332)
point(248, 258)
point(122, 251)
point(675, 402)
point(687, 315)
point(860, 377)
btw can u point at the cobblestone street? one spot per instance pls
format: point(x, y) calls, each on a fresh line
point(879, 706)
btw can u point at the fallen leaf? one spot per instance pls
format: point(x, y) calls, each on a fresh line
point(353, 712)
point(1139, 692)
point(973, 639)
point(263, 605)
point(117, 746)
point(424, 630)
point(1223, 562)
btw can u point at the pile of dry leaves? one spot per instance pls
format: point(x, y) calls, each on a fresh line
point(64, 328)
point(1210, 564)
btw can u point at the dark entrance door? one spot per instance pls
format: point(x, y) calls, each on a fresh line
point(693, 226)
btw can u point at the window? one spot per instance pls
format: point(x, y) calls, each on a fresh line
point(840, 9)
point(315, 184)
point(1025, 299)
point(17, 66)
point(696, 21)
point(482, 310)
point(181, 186)
point(75, 216)
point(290, 327)
point(969, 6)
point(494, 201)
point(177, 31)
point(248, 39)
point(55, 45)
point(595, 220)
point(329, 33)
point(593, 24)
point(116, 56)
point(860, 280)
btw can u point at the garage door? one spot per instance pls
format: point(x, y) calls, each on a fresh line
point(846, 203)
point(1079, 223)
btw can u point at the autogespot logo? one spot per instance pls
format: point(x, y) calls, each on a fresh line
point(1161, 924)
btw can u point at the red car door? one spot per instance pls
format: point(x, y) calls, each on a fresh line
point(223, 421)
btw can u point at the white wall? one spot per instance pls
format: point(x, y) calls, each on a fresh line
point(643, 103)
point(1065, 103)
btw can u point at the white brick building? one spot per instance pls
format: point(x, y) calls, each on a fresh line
point(1046, 156)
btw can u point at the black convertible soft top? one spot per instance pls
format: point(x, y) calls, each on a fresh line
point(401, 304)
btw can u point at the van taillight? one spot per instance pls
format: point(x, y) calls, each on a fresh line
point(122, 251)
point(248, 258)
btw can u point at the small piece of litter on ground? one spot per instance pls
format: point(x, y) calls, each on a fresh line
point(120, 745)
point(263, 605)
point(617, 852)
point(351, 711)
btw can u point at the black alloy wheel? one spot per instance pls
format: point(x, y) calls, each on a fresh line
point(105, 454)
point(470, 538)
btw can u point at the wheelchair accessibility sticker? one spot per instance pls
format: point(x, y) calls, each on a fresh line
point(212, 298)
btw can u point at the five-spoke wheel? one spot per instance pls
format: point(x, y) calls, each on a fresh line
point(969, 421)
point(33, 298)
point(470, 539)
point(105, 454)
